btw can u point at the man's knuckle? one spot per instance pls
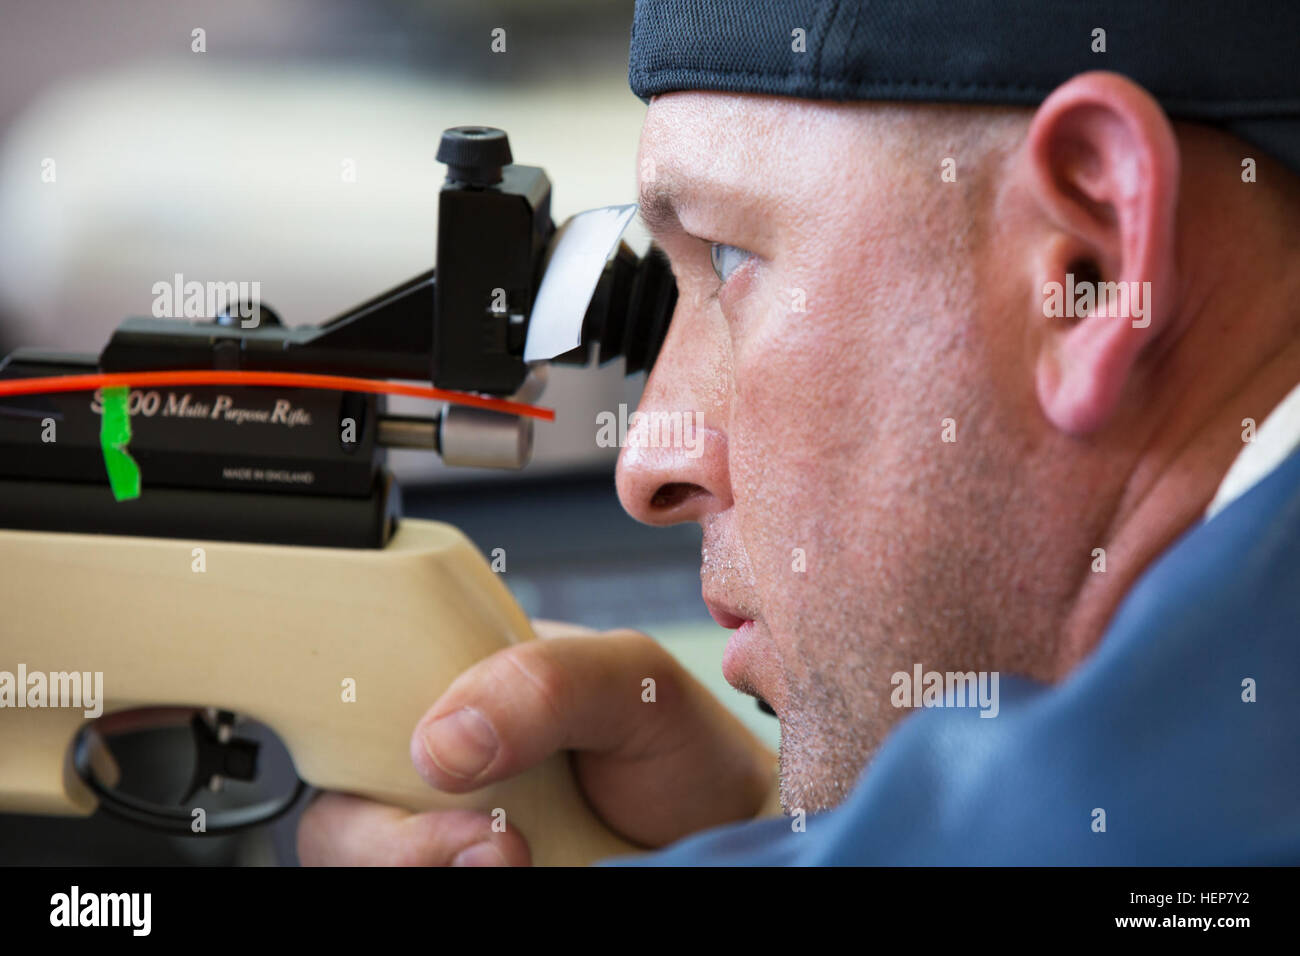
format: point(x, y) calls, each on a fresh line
point(539, 668)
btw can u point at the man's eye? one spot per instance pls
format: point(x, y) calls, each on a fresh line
point(726, 259)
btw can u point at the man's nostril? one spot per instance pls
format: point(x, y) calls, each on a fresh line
point(673, 494)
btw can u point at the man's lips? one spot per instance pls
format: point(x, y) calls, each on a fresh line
point(736, 663)
point(725, 616)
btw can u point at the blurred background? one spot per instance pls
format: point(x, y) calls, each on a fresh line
point(292, 143)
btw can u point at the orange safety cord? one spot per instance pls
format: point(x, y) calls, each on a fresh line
point(341, 383)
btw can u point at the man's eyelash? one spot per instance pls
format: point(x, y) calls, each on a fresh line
point(726, 258)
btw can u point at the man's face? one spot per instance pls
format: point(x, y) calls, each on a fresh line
point(868, 305)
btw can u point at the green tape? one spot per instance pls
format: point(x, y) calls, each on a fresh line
point(114, 436)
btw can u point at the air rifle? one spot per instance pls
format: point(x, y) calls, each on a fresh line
point(199, 520)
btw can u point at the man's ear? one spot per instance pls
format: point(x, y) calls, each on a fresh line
point(1103, 172)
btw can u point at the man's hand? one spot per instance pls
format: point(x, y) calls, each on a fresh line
point(653, 771)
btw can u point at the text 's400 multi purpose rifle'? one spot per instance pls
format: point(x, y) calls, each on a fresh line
point(312, 583)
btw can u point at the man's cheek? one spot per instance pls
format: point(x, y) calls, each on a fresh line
point(795, 348)
point(770, 375)
point(778, 509)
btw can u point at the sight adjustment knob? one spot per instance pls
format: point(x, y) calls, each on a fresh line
point(475, 155)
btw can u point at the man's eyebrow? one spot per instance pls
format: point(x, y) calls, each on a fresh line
point(658, 206)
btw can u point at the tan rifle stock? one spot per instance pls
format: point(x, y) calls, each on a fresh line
point(272, 633)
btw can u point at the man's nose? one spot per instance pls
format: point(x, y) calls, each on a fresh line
point(662, 481)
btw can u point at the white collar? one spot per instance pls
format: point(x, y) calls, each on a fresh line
point(1276, 439)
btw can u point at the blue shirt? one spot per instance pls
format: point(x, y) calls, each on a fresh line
point(1153, 729)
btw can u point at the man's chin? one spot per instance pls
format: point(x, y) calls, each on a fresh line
point(819, 766)
point(805, 791)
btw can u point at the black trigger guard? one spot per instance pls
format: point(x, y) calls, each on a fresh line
point(176, 821)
